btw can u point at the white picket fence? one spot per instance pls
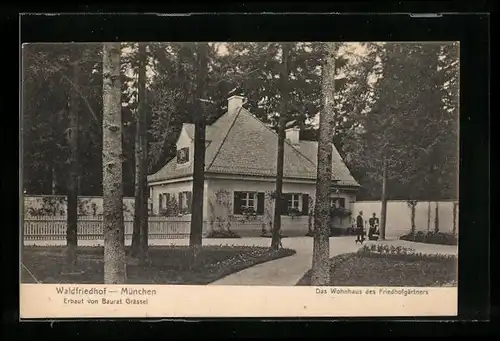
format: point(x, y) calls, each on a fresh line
point(91, 227)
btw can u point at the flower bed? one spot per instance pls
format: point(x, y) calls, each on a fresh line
point(383, 265)
point(441, 238)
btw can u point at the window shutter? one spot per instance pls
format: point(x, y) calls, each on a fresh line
point(180, 200)
point(284, 203)
point(305, 204)
point(160, 201)
point(179, 157)
point(237, 203)
point(188, 199)
point(186, 155)
point(260, 203)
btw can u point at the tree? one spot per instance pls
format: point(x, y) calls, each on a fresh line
point(412, 122)
point(436, 218)
point(140, 232)
point(143, 112)
point(321, 246)
point(275, 241)
point(412, 204)
point(72, 201)
point(114, 248)
point(195, 237)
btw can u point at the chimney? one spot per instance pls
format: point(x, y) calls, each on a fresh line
point(292, 135)
point(234, 103)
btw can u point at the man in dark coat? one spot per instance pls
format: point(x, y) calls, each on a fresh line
point(360, 235)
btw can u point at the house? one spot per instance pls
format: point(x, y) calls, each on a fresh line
point(240, 174)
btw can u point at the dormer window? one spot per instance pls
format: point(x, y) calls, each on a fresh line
point(182, 155)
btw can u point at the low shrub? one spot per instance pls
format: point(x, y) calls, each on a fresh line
point(441, 238)
point(222, 234)
point(336, 232)
point(270, 235)
point(402, 253)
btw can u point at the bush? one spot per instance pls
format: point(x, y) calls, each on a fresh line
point(402, 253)
point(222, 234)
point(441, 238)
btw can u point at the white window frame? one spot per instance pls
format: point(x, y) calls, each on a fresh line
point(295, 198)
point(249, 196)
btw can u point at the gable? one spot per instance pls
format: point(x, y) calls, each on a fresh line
point(184, 140)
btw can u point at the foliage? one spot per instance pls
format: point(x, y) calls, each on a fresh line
point(222, 234)
point(221, 217)
point(431, 237)
point(339, 212)
point(410, 123)
point(169, 264)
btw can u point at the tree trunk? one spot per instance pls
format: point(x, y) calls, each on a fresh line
point(144, 224)
point(114, 248)
point(428, 216)
point(455, 205)
point(195, 237)
point(383, 213)
point(54, 181)
point(321, 246)
point(413, 225)
point(275, 240)
point(436, 218)
point(72, 197)
point(136, 235)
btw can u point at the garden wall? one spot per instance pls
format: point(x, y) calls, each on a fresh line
point(399, 215)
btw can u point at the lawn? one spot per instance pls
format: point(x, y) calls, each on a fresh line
point(395, 267)
point(169, 264)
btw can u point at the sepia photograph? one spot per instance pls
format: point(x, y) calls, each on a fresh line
point(322, 167)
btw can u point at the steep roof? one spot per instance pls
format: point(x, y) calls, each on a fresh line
point(244, 145)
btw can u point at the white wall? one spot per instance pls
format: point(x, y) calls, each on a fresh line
point(176, 187)
point(290, 226)
point(185, 141)
point(399, 215)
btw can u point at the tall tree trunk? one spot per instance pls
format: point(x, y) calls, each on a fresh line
point(413, 205)
point(144, 225)
point(114, 246)
point(383, 213)
point(275, 240)
point(455, 205)
point(321, 246)
point(136, 234)
point(195, 237)
point(428, 216)
point(436, 218)
point(54, 181)
point(72, 197)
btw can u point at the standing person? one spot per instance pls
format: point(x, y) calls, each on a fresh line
point(359, 228)
point(374, 223)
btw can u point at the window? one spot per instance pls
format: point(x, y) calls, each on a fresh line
point(337, 202)
point(293, 201)
point(248, 200)
point(183, 155)
point(185, 201)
